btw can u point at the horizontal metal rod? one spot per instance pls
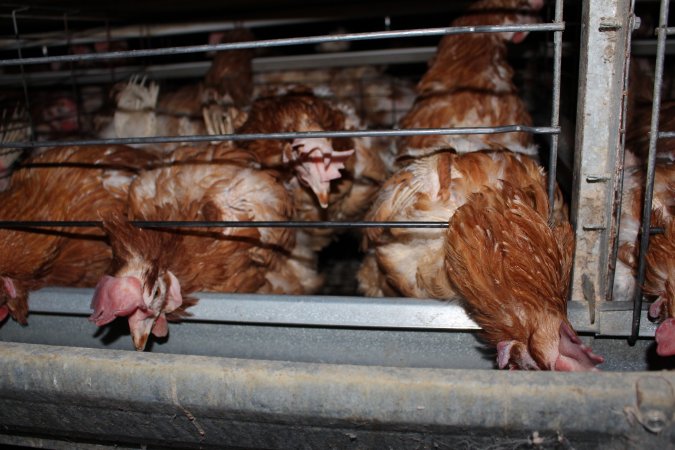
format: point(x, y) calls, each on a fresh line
point(198, 68)
point(72, 17)
point(667, 134)
point(222, 224)
point(236, 224)
point(56, 38)
point(289, 135)
point(284, 42)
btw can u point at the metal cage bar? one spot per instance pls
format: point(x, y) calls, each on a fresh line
point(285, 42)
point(661, 33)
point(288, 135)
point(555, 107)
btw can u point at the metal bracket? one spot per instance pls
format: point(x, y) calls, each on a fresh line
point(654, 406)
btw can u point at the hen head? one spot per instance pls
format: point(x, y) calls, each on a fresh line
point(143, 300)
point(316, 164)
point(315, 161)
point(660, 282)
point(553, 345)
point(13, 300)
point(664, 309)
point(143, 289)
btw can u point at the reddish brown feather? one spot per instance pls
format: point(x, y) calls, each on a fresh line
point(64, 183)
point(510, 266)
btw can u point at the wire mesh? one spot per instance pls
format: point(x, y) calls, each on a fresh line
point(557, 27)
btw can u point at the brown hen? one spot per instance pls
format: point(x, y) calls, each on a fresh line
point(155, 269)
point(64, 183)
point(512, 269)
point(469, 84)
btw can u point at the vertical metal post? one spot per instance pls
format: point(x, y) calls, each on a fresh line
point(555, 108)
point(604, 34)
point(661, 31)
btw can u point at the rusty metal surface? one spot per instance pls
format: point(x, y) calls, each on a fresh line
point(193, 401)
point(601, 74)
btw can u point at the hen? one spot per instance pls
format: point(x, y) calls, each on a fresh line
point(660, 284)
point(631, 216)
point(639, 127)
point(229, 81)
point(310, 168)
point(660, 268)
point(409, 261)
point(512, 268)
point(379, 99)
point(64, 183)
point(153, 269)
point(469, 84)
point(136, 115)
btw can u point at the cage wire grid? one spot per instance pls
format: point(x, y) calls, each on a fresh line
point(557, 27)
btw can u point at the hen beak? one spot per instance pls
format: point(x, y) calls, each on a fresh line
point(140, 325)
point(144, 322)
point(316, 164)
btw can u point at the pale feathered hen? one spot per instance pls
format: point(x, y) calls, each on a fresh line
point(631, 217)
point(154, 270)
point(137, 115)
point(409, 261)
point(378, 98)
point(66, 183)
point(660, 269)
point(512, 268)
point(469, 84)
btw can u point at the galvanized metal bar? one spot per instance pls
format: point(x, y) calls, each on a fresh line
point(148, 30)
point(223, 224)
point(261, 64)
point(289, 135)
point(651, 164)
point(202, 402)
point(555, 106)
point(284, 42)
point(299, 310)
point(601, 77)
point(331, 311)
point(666, 134)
